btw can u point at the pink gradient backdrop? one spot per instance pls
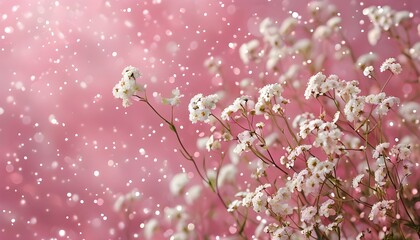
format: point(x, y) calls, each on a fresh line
point(60, 59)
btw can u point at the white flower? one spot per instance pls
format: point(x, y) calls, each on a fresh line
point(383, 108)
point(410, 111)
point(174, 100)
point(334, 22)
point(357, 180)
point(227, 174)
point(379, 149)
point(402, 151)
point(374, 35)
point(366, 60)
point(415, 51)
point(178, 183)
point(150, 228)
point(391, 65)
point(322, 32)
point(354, 108)
point(212, 144)
point(380, 176)
point(288, 25)
point(319, 84)
point(375, 98)
point(326, 210)
point(242, 104)
point(368, 71)
point(249, 51)
point(127, 86)
point(245, 138)
point(235, 204)
point(131, 72)
point(259, 202)
point(192, 194)
point(379, 209)
point(200, 107)
point(213, 64)
point(307, 213)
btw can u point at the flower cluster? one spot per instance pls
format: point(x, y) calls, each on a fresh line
point(127, 87)
point(318, 157)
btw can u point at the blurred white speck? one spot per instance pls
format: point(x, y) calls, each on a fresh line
point(52, 119)
point(13, 220)
point(142, 151)
point(96, 173)
point(8, 30)
point(83, 85)
point(128, 24)
point(1, 111)
point(38, 137)
point(61, 233)
point(114, 54)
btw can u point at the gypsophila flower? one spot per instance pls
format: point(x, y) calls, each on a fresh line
point(127, 86)
point(368, 71)
point(241, 104)
point(178, 183)
point(356, 181)
point(415, 51)
point(379, 209)
point(375, 98)
point(391, 65)
point(402, 151)
point(246, 139)
point(319, 84)
point(380, 176)
point(249, 51)
point(383, 108)
point(366, 60)
point(150, 228)
point(354, 108)
point(307, 213)
point(174, 100)
point(200, 107)
point(410, 111)
point(131, 72)
point(213, 64)
point(326, 209)
point(212, 144)
point(379, 149)
point(227, 174)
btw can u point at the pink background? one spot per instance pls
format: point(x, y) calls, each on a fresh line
point(60, 59)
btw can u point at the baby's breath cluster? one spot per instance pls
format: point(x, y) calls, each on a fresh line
point(302, 153)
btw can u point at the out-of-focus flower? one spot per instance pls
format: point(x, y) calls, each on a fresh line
point(174, 100)
point(356, 181)
point(178, 183)
point(379, 209)
point(249, 51)
point(213, 64)
point(391, 65)
point(150, 228)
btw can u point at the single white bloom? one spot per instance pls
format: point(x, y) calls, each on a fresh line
point(174, 100)
point(150, 228)
point(357, 180)
point(178, 183)
point(368, 71)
